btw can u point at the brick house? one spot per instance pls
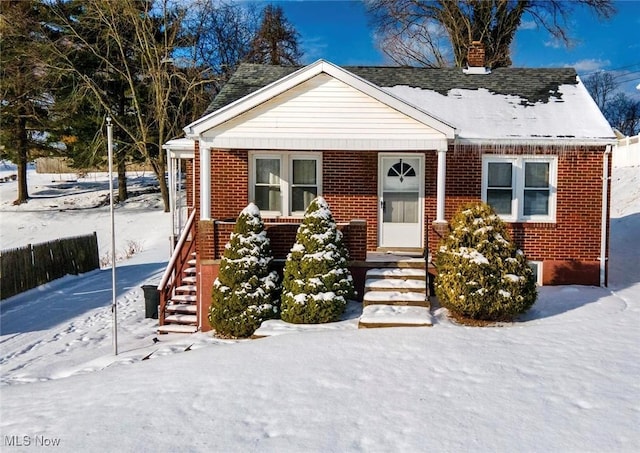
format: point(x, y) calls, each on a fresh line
point(395, 152)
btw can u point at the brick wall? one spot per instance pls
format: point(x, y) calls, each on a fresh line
point(282, 236)
point(229, 183)
point(350, 186)
point(569, 248)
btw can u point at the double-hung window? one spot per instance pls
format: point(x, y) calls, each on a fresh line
point(284, 184)
point(520, 188)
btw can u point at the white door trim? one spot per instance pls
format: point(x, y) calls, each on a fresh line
point(406, 235)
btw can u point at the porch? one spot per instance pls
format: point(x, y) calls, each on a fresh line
point(185, 289)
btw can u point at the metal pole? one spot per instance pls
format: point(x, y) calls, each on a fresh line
point(114, 305)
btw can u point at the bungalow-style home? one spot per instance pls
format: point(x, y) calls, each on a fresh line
point(395, 151)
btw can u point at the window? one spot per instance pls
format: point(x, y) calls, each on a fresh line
point(536, 267)
point(284, 184)
point(520, 188)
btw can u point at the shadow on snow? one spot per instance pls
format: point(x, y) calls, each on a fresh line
point(68, 297)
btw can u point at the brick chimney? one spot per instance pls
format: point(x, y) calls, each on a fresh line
point(475, 56)
point(475, 59)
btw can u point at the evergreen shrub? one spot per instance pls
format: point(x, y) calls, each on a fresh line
point(481, 273)
point(245, 291)
point(316, 280)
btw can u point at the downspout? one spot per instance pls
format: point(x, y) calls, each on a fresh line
point(605, 217)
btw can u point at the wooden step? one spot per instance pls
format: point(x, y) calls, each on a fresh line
point(395, 284)
point(186, 289)
point(189, 280)
point(182, 308)
point(414, 299)
point(394, 316)
point(190, 271)
point(407, 273)
point(181, 319)
point(177, 328)
point(184, 298)
point(192, 262)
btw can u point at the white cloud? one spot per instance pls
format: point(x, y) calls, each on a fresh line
point(589, 65)
point(528, 25)
point(554, 43)
point(638, 87)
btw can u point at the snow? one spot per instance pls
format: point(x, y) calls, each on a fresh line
point(481, 114)
point(251, 210)
point(396, 314)
point(564, 378)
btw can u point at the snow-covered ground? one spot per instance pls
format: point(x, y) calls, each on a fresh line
point(564, 379)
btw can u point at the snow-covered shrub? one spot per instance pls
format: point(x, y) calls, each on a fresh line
point(244, 294)
point(316, 280)
point(481, 273)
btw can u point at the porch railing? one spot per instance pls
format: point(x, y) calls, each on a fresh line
point(179, 259)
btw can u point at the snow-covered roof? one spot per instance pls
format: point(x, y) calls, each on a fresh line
point(533, 105)
point(481, 115)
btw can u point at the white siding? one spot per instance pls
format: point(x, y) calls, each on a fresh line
point(324, 113)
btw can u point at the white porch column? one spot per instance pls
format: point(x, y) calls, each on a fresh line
point(205, 182)
point(172, 198)
point(440, 188)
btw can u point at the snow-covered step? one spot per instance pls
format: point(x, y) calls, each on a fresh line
point(405, 273)
point(395, 316)
point(184, 298)
point(416, 299)
point(181, 319)
point(187, 289)
point(395, 284)
point(190, 280)
point(177, 328)
point(192, 262)
point(190, 271)
point(182, 308)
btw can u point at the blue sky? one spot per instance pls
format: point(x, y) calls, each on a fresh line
point(338, 31)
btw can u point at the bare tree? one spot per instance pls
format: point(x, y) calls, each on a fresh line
point(622, 112)
point(438, 33)
point(602, 86)
point(276, 42)
point(134, 50)
point(220, 34)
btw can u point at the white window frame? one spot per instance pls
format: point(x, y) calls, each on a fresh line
point(517, 183)
point(538, 270)
point(286, 178)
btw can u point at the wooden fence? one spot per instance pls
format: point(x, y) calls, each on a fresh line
point(27, 267)
point(60, 165)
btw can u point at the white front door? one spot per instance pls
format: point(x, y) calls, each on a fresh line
point(401, 185)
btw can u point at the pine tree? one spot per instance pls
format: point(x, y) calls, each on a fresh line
point(244, 292)
point(316, 281)
point(481, 273)
point(276, 42)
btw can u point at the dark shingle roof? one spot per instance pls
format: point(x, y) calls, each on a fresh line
point(532, 85)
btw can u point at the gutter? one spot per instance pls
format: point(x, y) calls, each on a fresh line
point(605, 217)
point(535, 141)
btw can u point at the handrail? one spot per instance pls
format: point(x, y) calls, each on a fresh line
point(176, 251)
